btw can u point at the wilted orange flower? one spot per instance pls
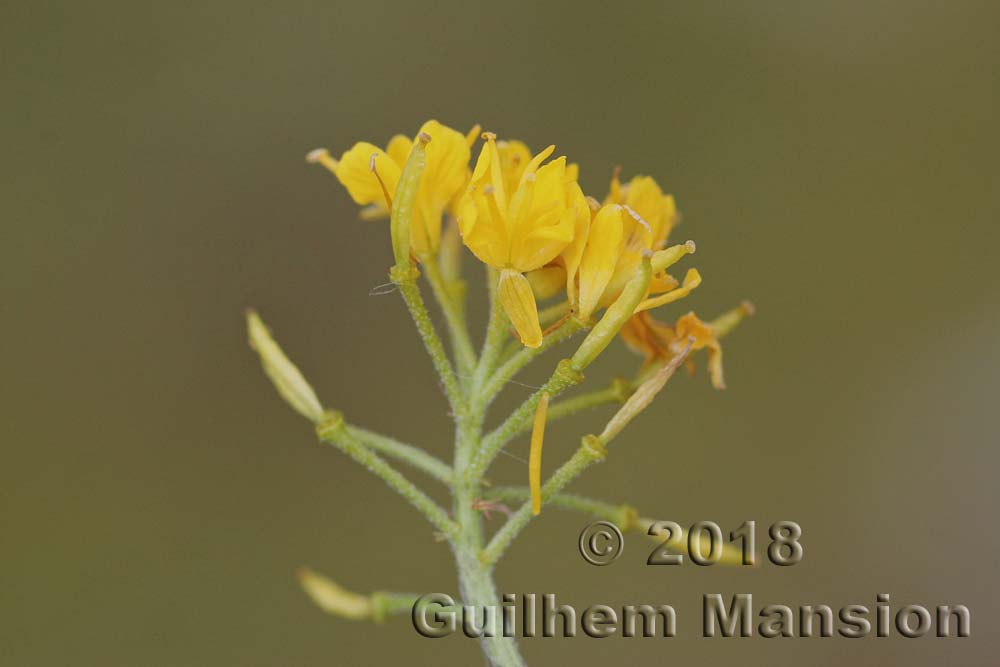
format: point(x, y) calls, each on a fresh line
point(658, 341)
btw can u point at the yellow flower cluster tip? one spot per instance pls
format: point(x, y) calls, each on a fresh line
point(526, 216)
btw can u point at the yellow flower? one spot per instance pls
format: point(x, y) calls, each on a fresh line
point(371, 175)
point(651, 216)
point(517, 220)
point(592, 259)
point(644, 196)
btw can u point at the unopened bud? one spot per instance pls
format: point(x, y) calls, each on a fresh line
point(287, 378)
point(333, 599)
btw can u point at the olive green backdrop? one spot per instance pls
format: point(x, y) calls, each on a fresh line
point(835, 161)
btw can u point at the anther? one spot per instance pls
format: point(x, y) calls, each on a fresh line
point(637, 217)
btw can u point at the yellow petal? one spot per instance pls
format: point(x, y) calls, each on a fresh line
point(573, 172)
point(482, 233)
point(399, 149)
point(473, 134)
point(355, 173)
point(514, 157)
point(518, 302)
point(573, 252)
point(545, 222)
point(547, 281)
point(599, 258)
point(444, 177)
point(535, 457)
point(691, 280)
point(690, 326)
point(536, 161)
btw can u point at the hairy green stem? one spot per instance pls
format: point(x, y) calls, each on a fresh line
point(414, 456)
point(618, 392)
point(590, 451)
point(526, 355)
point(462, 344)
point(475, 578)
point(495, 334)
point(333, 430)
point(565, 375)
point(405, 278)
point(621, 515)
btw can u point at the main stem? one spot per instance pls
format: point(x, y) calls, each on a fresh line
point(475, 578)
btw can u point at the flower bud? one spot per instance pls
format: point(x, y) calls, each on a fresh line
point(287, 378)
point(333, 599)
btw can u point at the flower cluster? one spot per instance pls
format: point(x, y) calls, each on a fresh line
point(527, 217)
point(604, 267)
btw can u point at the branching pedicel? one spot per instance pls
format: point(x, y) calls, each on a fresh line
point(604, 267)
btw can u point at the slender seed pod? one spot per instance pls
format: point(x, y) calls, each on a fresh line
point(535, 457)
point(404, 200)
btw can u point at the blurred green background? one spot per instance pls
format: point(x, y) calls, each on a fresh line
point(835, 161)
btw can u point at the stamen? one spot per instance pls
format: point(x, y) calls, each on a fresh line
point(322, 156)
point(637, 218)
point(385, 191)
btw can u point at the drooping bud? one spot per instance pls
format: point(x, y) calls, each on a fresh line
point(333, 599)
point(287, 378)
